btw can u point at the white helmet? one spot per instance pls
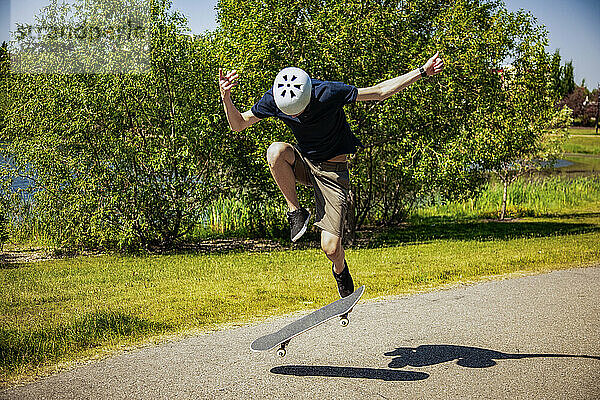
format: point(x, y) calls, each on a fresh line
point(292, 90)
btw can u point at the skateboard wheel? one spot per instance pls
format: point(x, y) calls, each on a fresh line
point(281, 352)
point(344, 321)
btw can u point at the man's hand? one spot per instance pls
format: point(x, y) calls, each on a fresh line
point(434, 65)
point(227, 82)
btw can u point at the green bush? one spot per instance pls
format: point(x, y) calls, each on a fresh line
point(121, 160)
point(132, 161)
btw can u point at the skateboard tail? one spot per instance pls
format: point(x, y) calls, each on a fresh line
point(263, 344)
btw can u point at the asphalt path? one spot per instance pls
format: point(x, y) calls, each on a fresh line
point(532, 337)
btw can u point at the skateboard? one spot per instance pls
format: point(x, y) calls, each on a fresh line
point(339, 308)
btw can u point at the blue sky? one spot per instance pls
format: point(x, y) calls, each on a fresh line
point(573, 26)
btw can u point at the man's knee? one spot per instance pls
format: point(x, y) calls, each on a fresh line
point(331, 245)
point(278, 152)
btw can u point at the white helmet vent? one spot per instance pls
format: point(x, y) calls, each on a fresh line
point(289, 85)
point(292, 90)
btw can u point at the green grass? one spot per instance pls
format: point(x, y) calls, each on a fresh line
point(526, 197)
point(582, 131)
point(583, 145)
point(62, 310)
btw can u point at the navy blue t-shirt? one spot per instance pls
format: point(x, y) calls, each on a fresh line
point(322, 130)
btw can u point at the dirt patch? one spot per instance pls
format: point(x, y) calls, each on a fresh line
point(12, 257)
point(230, 245)
point(311, 240)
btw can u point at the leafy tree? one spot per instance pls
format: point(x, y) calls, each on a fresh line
point(4, 56)
point(520, 134)
point(123, 159)
point(4, 214)
point(4, 183)
point(568, 79)
point(425, 140)
point(584, 105)
point(3, 229)
point(4, 211)
point(541, 155)
point(131, 159)
point(355, 42)
point(575, 101)
point(4, 69)
point(556, 73)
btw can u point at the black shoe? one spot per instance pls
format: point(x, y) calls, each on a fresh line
point(344, 281)
point(298, 222)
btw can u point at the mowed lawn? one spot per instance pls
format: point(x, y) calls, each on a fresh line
point(583, 131)
point(62, 310)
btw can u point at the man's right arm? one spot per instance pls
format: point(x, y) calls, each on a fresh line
point(237, 121)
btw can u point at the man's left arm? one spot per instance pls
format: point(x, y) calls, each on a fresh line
point(388, 88)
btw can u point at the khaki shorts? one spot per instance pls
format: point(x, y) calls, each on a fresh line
point(331, 184)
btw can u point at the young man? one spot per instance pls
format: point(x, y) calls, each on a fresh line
point(313, 110)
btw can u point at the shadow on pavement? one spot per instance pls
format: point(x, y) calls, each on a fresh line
point(350, 372)
point(421, 356)
point(470, 357)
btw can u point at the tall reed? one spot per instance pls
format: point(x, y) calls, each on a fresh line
point(526, 197)
point(234, 216)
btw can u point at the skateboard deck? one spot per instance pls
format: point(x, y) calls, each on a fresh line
point(338, 308)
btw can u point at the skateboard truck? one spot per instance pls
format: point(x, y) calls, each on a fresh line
point(281, 351)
